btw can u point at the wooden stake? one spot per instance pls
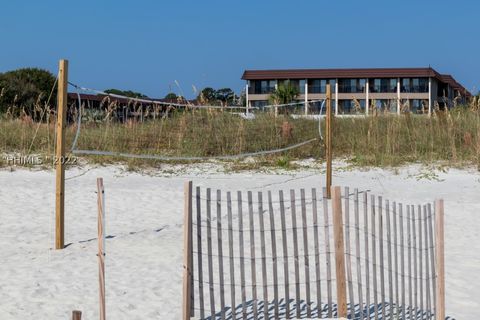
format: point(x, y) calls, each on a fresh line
point(187, 251)
point(440, 253)
point(328, 141)
point(76, 315)
point(101, 245)
point(339, 252)
point(60, 154)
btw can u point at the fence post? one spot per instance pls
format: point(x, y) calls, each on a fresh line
point(339, 252)
point(76, 315)
point(59, 160)
point(187, 252)
point(101, 245)
point(440, 254)
point(328, 140)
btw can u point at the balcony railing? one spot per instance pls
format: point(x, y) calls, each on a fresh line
point(415, 89)
point(383, 89)
point(317, 89)
point(350, 89)
point(262, 90)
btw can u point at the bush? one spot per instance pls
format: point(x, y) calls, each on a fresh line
point(24, 88)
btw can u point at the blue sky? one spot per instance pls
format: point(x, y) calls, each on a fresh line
point(146, 45)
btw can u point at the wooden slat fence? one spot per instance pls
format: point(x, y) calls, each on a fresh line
point(292, 254)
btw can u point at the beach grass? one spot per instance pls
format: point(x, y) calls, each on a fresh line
point(381, 140)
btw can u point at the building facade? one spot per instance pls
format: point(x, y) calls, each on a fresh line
point(393, 90)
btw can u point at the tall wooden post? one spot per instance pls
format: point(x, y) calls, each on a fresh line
point(187, 253)
point(76, 315)
point(59, 160)
point(101, 245)
point(328, 141)
point(339, 252)
point(440, 263)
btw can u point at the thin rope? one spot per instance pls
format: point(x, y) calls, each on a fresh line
point(79, 121)
point(41, 117)
point(166, 158)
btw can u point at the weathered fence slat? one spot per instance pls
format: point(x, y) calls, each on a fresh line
point(348, 251)
point(367, 259)
point(274, 254)
point(220, 254)
point(382, 259)
point(420, 255)
point(357, 250)
point(432, 257)
point(389, 259)
point(210, 254)
point(200, 253)
point(328, 253)
point(410, 277)
point(242, 255)
point(402, 260)
point(305, 252)
point(395, 255)
point(252, 255)
point(440, 247)
point(427, 264)
point(230, 255)
point(285, 254)
point(262, 245)
point(295, 253)
point(415, 269)
point(317, 254)
point(374, 257)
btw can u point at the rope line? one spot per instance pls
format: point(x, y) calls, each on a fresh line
point(167, 158)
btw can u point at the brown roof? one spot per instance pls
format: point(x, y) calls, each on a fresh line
point(350, 73)
point(100, 97)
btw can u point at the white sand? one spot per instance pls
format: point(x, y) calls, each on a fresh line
point(145, 215)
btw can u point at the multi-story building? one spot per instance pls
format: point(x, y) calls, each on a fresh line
point(394, 90)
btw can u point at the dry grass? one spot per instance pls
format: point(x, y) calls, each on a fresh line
point(382, 140)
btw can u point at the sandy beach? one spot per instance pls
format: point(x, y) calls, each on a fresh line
point(144, 223)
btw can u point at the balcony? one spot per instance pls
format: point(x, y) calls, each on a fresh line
point(414, 89)
point(317, 89)
point(350, 89)
point(261, 90)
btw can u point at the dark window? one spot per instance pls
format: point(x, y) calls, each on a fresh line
point(320, 85)
point(262, 86)
point(383, 85)
point(351, 85)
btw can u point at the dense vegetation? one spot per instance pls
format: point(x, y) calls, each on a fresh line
point(383, 140)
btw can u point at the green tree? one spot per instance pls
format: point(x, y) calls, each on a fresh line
point(171, 96)
point(126, 93)
point(225, 95)
point(207, 95)
point(25, 88)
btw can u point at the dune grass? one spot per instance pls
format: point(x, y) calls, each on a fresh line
point(382, 140)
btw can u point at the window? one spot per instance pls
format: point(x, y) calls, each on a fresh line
point(383, 85)
point(406, 86)
point(320, 85)
point(351, 85)
point(302, 86)
point(419, 85)
point(261, 86)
